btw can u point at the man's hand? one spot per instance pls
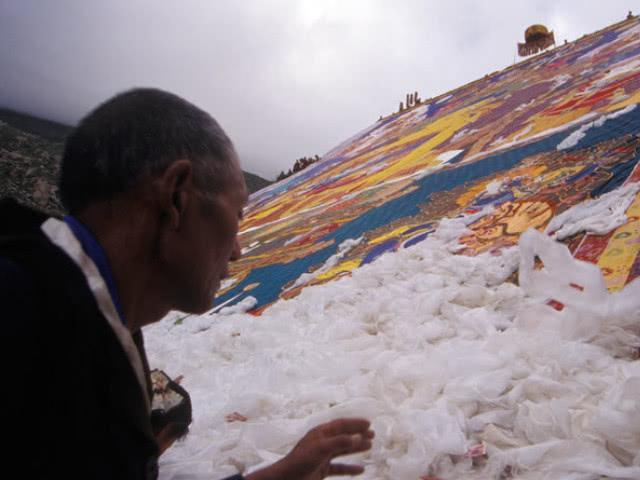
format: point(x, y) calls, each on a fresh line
point(311, 458)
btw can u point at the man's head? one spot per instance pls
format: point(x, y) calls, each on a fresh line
point(153, 157)
point(136, 135)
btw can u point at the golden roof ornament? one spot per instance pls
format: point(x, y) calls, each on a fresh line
point(537, 38)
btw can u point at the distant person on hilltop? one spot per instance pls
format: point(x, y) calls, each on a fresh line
point(155, 194)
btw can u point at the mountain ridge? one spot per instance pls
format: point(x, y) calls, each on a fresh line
point(30, 152)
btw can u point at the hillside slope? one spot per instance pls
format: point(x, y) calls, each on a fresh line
point(29, 166)
point(30, 151)
point(523, 145)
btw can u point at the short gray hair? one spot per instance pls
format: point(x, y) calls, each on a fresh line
point(137, 134)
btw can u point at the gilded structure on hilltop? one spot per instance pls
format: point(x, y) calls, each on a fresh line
point(537, 38)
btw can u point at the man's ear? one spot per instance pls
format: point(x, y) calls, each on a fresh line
point(176, 189)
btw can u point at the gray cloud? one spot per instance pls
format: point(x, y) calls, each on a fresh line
point(284, 78)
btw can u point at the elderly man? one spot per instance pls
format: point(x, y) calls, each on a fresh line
point(154, 193)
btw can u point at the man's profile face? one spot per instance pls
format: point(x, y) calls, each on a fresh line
point(210, 242)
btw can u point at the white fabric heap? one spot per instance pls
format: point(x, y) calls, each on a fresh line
point(439, 352)
point(599, 216)
point(241, 307)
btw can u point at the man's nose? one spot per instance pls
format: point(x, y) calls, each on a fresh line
point(236, 252)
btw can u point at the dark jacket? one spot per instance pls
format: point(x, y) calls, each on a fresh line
point(72, 406)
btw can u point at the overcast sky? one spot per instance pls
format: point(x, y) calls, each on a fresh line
point(284, 78)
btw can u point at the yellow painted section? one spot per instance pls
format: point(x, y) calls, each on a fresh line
point(467, 197)
point(393, 233)
point(632, 100)
point(617, 259)
point(422, 156)
point(341, 267)
point(263, 213)
point(560, 173)
point(543, 123)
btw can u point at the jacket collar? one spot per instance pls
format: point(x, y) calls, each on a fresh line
point(62, 236)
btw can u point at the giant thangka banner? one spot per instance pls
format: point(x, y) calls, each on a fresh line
point(509, 151)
